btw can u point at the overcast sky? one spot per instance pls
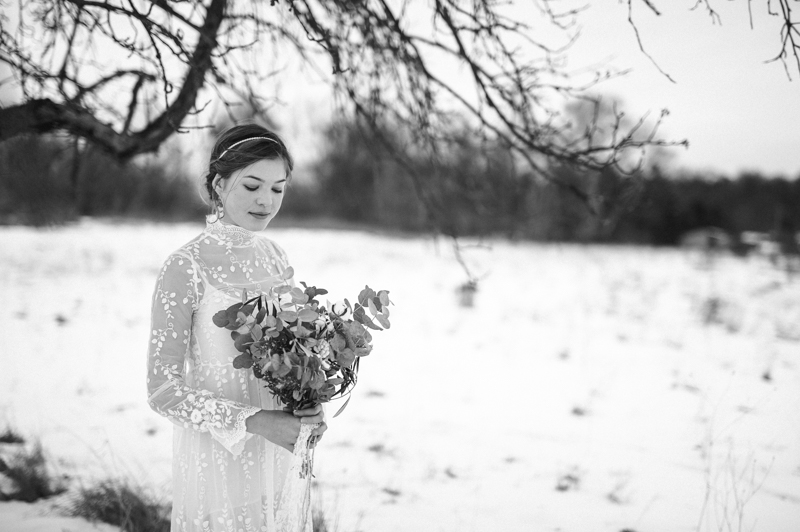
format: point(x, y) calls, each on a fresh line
point(737, 112)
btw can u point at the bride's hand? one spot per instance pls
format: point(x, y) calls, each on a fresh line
point(277, 426)
point(282, 428)
point(313, 415)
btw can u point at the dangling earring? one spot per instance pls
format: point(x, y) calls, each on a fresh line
point(219, 212)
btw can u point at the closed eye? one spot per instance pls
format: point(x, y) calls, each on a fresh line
point(278, 191)
point(253, 189)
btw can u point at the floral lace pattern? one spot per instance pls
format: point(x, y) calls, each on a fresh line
point(224, 479)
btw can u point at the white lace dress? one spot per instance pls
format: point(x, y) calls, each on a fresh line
point(224, 478)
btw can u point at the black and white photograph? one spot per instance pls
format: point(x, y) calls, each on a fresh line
point(399, 265)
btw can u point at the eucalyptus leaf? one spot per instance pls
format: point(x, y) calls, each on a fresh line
point(346, 357)
point(243, 361)
point(383, 320)
point(288, 315)
point(288, 273)
point(307, 315)
point(232, 312)
point(361, 317)
point(366, 294)
point(283, 289)
point(372, 308)
point(338, 342)
point(384, 297)
point(220, 319)
point(242, 342)
point(316, 381)
point(300, 300)
point(305, 349)
point(363, 351)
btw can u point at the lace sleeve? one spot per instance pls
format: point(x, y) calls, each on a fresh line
point(174, 302)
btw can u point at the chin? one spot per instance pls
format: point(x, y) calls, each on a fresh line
point(254, 224)
point(250, 222)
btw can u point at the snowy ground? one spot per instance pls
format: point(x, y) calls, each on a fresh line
point(588, 389)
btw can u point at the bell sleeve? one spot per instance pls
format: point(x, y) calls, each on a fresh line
point(174, 302)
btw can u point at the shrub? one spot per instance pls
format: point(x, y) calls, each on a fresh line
point(320, 523)
point(30, 476)
point(123, 504)
point(11, 436)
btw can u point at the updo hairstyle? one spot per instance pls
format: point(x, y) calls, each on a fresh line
point(227, 158)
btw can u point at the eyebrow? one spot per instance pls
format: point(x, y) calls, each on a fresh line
point(259, 179)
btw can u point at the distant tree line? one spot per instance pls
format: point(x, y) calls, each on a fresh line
point(47, 180)
point(479, 190)
point(472, 188)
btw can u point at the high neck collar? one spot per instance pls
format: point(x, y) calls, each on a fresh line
point(228, 232)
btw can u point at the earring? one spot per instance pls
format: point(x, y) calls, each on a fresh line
point(219, 212)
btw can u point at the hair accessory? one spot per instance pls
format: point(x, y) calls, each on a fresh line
point(244, 140)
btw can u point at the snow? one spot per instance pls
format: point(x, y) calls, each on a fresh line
point(589, 388)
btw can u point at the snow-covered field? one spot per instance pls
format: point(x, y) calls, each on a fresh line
point(588, 389)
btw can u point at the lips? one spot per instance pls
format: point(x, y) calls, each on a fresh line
point(261, 215)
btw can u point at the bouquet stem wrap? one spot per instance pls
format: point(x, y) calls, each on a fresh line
point(303, 455)
point(293, 512)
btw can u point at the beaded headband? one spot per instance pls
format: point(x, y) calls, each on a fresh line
point(244, 140)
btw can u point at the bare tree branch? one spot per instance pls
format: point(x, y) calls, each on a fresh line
point(789, 33)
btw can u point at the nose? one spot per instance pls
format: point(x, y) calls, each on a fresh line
point(264, 200)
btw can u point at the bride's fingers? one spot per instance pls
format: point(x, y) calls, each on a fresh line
point(316, 434)
point(318, 418)
point(309, 411)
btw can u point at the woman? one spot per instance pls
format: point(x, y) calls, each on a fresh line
point(232, 446)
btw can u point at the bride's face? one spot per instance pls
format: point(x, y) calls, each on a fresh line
point(252, 196)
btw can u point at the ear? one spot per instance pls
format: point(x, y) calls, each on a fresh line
point(216, 184)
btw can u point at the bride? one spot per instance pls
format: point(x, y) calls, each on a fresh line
point(232, 447)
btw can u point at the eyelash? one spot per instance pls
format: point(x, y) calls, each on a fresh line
point(256, 188)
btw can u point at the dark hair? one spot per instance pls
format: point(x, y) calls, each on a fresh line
point(227, 158)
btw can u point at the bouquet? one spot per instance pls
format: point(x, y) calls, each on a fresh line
point(306, 353)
